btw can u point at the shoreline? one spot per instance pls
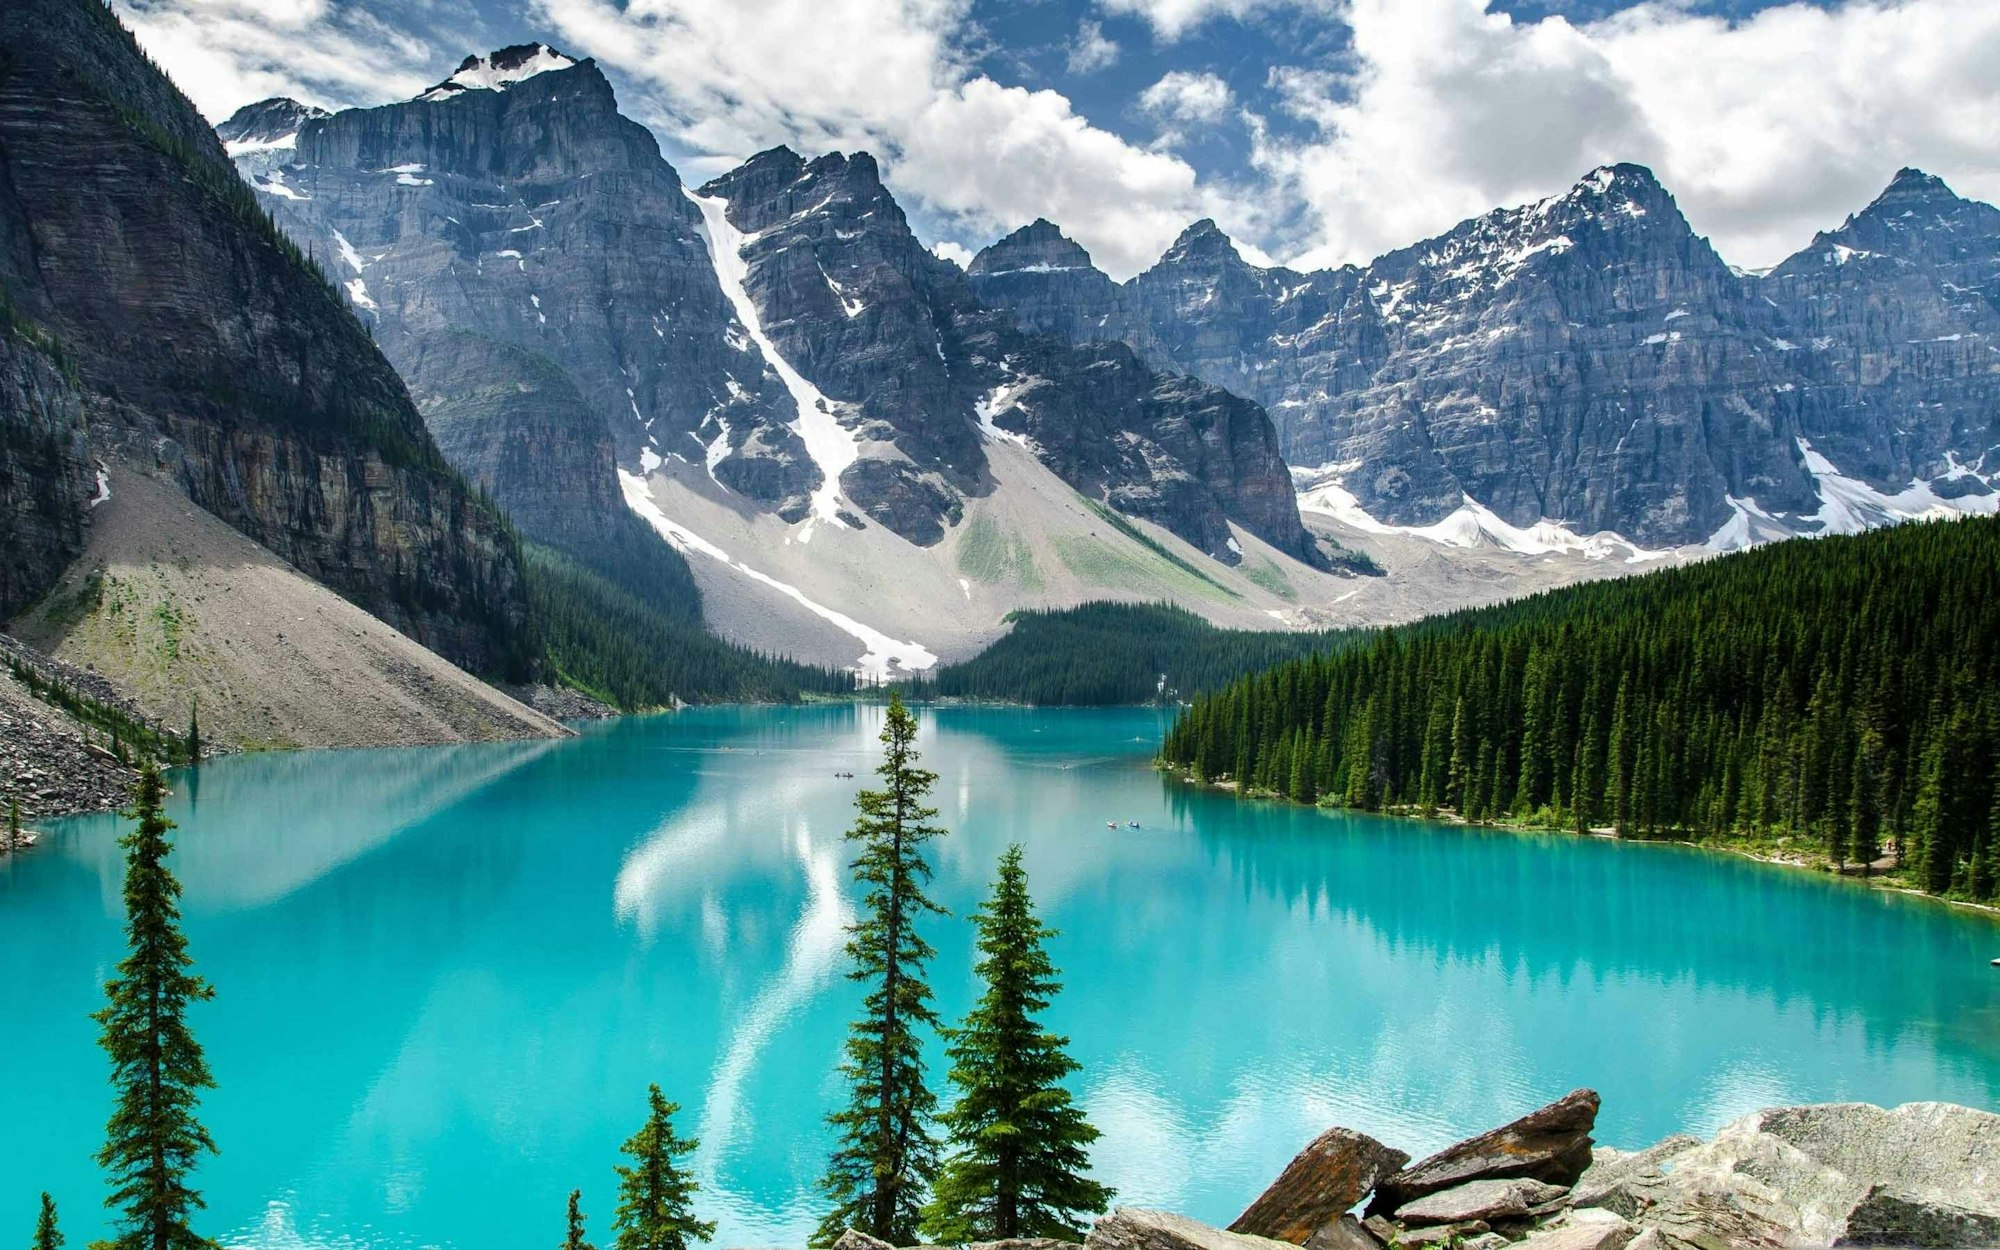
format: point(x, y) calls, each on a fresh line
point(1882, 882)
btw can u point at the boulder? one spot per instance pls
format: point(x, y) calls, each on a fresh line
point(1138, 1228)
point(1550, 1145)
point(1607, 1232)
point(855, 1239)
point(1024, 1243)
point(1885, 1217)
point(1336, 1170)
point(1345, 1233)
point(1480, 1200)
point(1815, 1175)
point(1484, 1241)
point(1384, 1231)
point(1439, 1236)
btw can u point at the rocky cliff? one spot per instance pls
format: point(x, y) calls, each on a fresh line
point(509, 229)
point(189, 335)
point(1894, 321)
point(916, 375)
point(1586, 360)
point(783, 329)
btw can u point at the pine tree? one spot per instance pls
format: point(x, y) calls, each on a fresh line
point(574, 1239)
point(194, 733)
point(886, 1157)
point(1019, 1142)
point(47, 1235)
point(153, 1140)
point(13, 826)
point(655, 1196)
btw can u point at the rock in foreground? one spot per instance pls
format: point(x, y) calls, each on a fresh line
point(1337, 1170)
point(1551, 1145)
point(1137, 1228)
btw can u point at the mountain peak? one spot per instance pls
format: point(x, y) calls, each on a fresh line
point(267, 123)
point(1914, 186)
point(1039, 246)
point(1204, 240)
point(501, 69)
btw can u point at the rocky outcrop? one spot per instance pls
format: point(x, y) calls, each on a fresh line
point(1844, 1173)
point(919, 375)
point(1924, 1174)
point(1587, 359)
point(194, 337)
point(1552, 1145)
point(1335, 1171)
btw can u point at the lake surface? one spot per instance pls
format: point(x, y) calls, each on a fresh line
point(446, 976)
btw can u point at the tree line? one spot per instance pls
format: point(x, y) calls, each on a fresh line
point(1105, 654)
point(636, 654)
point(1011, 1161)
point(1840, 692)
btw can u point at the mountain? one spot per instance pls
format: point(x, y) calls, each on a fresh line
point(773, 370)
point(917, 373)
point(1581, 373)
point(1895, 319)
point(161, 329)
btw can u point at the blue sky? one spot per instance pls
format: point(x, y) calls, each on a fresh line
point(1315, 131)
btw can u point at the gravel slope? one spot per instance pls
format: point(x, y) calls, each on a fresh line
point(174, 607)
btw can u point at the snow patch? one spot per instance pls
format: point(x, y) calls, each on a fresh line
point(347, 252)
point(1473, 524)
point(357, 290)
point(832, 446)
point(1849, 505)
point(1004, 398)
point(103, 486)
point(884, 657)
point(480, 74)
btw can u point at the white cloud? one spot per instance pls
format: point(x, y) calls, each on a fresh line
point(1170, 19)
point(1092, 51)
point(227, 53)
point(1765, 129)
point(1187, 97)
point(957, 253)
point(725, 80)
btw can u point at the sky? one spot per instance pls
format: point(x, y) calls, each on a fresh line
point(1316, 132)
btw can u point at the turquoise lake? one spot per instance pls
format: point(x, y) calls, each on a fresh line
point(445, 976)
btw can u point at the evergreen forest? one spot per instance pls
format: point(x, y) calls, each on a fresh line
point(1839, 693)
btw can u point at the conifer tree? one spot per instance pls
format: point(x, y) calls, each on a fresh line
point(655, 1196)
point(887, 1158)
point(1018, 1162)
point(573, 1239)
point(153, 1140)
point(13, 826)
point(47, 1235)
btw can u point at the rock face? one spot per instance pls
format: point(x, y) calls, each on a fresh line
point(1895, 321)
point(1589, 360)
point(190, 334)
point(510, 230)
point(1338, 1169)
point(916, 374)
point(783, 330)
point(1551, 1145)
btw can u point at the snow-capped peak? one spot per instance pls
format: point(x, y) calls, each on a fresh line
point(500, 70)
